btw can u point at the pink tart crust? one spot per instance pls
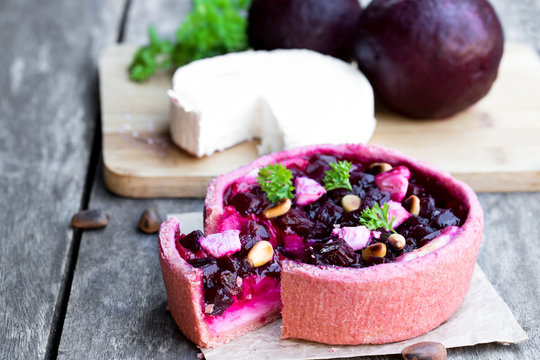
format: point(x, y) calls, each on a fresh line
point(378, 304)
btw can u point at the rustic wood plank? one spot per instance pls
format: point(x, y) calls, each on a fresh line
point(165, 15)
point(520, 20)
point(118, 296)
point(117, 305)
point(510, 227)
point(47, 112)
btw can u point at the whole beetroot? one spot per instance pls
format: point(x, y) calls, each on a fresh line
point(429, 58)
point(326, 26)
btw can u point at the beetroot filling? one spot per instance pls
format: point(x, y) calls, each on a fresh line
point(304, 233)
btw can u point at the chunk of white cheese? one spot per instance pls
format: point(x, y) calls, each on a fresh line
point(286, 98)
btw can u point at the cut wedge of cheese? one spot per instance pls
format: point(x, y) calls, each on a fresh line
point(286, 98)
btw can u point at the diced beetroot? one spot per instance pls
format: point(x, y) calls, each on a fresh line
point(333, 252)
point(375, 195)
point(329, 214)
point(222, 244)
point(445, 218)
point(218, 300)
point(357, 237)
point(209, 267)
point(187, 254)
point(246, 203)
point(237, 265)
point(398, 212)
point(271, 269)
point(295, 220)
point(242, 185)
point(318, 165)
point(307, 190)
point(191, 241)
point(252, 227)
point(294, 244)
point(395, 182)
point(272, 233)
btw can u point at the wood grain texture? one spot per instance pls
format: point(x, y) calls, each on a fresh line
point(118, 295)
point(492, 146)
point(520, 20)
point(117, 305)
point(47, 114)
point(165, 15)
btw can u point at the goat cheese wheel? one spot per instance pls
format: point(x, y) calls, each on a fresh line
point(286, 98)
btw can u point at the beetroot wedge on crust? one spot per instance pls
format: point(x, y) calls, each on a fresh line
point(341, 275)
point(184, 286)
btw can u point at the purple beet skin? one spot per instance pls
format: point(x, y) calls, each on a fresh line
point(429, 58)
point(321, 25)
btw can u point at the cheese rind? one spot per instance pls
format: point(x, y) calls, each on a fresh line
point(286, 98)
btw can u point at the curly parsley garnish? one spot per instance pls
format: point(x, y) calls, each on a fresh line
point(338, 177)
point(376, 218)
point(275, 181)
point(214, 27)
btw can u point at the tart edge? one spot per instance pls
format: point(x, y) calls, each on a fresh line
point(454, 262)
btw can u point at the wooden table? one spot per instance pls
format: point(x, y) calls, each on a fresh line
point(99, 295)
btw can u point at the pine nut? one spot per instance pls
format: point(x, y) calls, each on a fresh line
point(150, 220)
point(377, 250)
point(412, 205)
point(261, 253)
point(90, 219)
point(278, 209)
point(351, 202)
point(425, 350)
point(379, 167)
point(397, 241)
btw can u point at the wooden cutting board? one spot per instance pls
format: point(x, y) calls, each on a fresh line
point(494, 146)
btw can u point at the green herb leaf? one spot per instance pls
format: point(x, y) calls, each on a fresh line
point(214, 27)
point(376, 218)
point(338, 177)
point(275, 181)
point(149, 58)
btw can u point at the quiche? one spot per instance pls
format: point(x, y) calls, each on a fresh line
point(350, 244)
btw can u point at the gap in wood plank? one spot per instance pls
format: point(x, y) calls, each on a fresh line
point(122, 28)
point(60, 309)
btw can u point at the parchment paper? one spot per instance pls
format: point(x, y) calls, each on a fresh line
point(483, 317)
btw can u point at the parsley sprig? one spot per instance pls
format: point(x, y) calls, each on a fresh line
point(214, 27)
point(338, 176)
point(376, 218)
point(149, 58)
point(275, 181)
